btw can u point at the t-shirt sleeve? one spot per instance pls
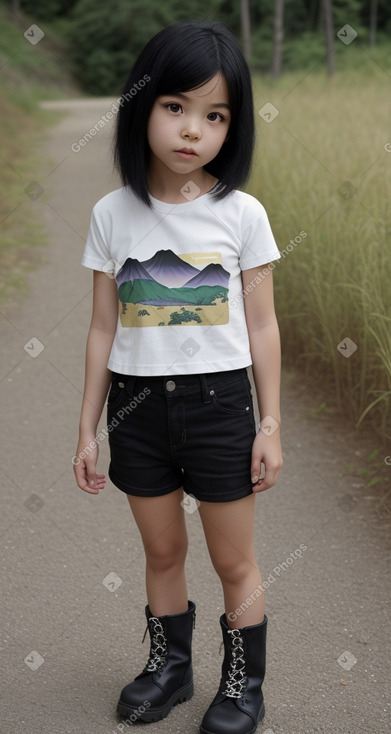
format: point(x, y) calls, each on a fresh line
point(96, 253)
point(258, 244)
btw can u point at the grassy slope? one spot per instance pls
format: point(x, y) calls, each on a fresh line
point(28, 74)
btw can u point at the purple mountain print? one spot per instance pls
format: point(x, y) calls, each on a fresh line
point(169, 269)
point(166, 279)
point(213, 274)
point(132, 269)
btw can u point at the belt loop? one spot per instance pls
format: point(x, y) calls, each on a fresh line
point(129, 387)
point(205, 389)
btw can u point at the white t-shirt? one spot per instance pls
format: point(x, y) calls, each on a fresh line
point(178, 272)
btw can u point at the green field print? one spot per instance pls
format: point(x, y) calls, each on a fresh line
point(170, 289)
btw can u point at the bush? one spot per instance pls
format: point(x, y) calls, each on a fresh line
point(105, 40)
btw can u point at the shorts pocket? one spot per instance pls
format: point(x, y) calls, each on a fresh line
point(233, 399)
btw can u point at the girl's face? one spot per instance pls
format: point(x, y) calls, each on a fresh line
point(186, 130)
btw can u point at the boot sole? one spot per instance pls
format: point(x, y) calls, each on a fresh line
point(156, 714)
point(261, 715)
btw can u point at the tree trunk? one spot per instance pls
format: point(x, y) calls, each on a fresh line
point(278, 36)
point(372, 22)
point(246, 28)
point(327, 8)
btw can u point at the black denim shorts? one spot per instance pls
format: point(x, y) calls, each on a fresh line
point(190, 431)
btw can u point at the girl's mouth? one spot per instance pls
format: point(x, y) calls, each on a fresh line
point(187, 154)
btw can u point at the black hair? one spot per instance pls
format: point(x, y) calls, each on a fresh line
point(182, 57)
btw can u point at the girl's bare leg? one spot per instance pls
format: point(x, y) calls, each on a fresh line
point(228, 528)
point(162, 526)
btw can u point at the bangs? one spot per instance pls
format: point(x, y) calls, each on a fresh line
point(189, 66)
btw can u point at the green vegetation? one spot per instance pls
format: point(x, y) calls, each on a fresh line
point(29, 73)
point(149, 291)
point(335, 282)
point(102, 40)
point(183, 317)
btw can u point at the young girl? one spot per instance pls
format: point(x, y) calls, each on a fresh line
point(183, 304)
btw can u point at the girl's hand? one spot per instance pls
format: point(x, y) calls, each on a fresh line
point(84, 466)
point(266, 449)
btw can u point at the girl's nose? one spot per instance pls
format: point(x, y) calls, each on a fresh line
point(191, 132)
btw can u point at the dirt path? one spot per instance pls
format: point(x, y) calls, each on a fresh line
point(70, 638)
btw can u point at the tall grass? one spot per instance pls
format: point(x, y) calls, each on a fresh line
point(336, 282)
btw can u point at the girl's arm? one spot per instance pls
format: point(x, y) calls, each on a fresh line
point(266, 363)
point(97, 380)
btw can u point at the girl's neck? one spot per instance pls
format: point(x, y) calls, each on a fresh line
point(166, 185)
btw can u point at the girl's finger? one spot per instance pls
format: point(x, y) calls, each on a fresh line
point(88, 480)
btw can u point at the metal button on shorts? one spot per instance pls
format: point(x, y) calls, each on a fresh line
point(170, 385)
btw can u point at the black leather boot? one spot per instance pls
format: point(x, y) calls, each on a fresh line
point(238, 706)
point(167, 678)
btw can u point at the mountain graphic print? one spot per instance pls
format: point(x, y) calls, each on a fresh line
point(170, 289)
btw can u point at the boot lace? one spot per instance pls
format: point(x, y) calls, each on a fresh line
point(158, 651)
point(237, 670)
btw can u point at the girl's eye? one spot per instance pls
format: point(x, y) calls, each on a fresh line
point(173, 107)
point(215, 116)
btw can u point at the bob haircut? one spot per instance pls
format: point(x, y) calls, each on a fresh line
point(182, 57)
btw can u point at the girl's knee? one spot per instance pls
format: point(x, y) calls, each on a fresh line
point(166, 554)
point(233, 571)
